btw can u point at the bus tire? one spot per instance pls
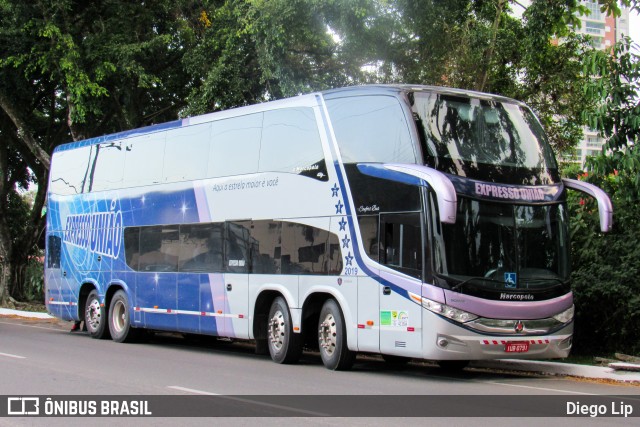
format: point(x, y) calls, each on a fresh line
point(332, 338)
point(284, 345)
point(120, 318)
point(95, 317)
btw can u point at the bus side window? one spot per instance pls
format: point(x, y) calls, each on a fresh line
point(132, 246)
point(371, 129)
point(265, 247)
point(401, 243)
point(159, 248)
point(305, 249)
point(291, 143)
point(54, 246)
point(201, 248)
point(186, 153)
point(237, 247)
point(235, 145)
point(369, 233)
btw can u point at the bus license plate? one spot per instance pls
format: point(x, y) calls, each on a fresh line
point(516, 347)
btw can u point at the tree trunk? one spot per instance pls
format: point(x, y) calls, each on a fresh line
point(5, 280)
point(488, 55)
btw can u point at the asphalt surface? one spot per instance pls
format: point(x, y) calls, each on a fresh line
point(39, 356)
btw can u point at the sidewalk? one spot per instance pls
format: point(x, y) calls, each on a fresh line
point(547, 368)
point(26, 314)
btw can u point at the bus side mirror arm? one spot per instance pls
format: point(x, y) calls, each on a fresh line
point(605, 209)
point(441, 185)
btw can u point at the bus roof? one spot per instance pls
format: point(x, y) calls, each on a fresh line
point(301, 100)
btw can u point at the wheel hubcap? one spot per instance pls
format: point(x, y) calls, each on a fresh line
point(327, 334)
point(277, 330)
point(119, 313)
point(93, 315)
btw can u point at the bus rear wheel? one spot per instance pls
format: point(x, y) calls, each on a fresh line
point(332, 338)
point(284, 345)
point(120, 319)
point(95, 317)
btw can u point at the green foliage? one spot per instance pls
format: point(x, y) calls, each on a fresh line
point(605, 270)
point(33, 280)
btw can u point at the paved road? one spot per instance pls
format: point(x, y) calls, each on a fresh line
point(43, 358)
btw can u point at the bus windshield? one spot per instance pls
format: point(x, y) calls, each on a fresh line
point(483, 139)
point(497, 247)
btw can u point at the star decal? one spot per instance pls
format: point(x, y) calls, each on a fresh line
point(343, 224)
point(345, 242)
point(334, 190)
point(348, 259)
point(339, 207)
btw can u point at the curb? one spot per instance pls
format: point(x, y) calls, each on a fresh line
point(562, 369)
point(25, 314)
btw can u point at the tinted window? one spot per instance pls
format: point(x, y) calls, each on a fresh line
point(305, 249)
point(159, 248)
point(290, 142)
point(369, 235)
point(132, 246)
point(143, 158)
point(54, 246)
point(237, 247)
point(202, 247)
point(70, 170)
point(483, 139)
point(371, 129)
point(262, 247)
point(235, 145)
point(401, 243)
point(187, 153)
point(265, 247)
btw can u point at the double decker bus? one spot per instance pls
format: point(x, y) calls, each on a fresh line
point(408, 221)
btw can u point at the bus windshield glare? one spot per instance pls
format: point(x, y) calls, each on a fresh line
point(483, 139)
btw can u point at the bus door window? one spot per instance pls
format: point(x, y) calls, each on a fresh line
point(401, 243)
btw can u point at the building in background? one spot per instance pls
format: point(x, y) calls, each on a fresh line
point(605, 31)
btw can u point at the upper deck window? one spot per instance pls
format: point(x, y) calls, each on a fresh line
point(371, 129)
point(482, 139)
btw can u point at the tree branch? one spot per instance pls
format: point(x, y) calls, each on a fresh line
point(23, 132)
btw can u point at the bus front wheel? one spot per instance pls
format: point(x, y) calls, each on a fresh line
point(120, 318)
point(332, 338)
point(95, 317)
point(284, 345)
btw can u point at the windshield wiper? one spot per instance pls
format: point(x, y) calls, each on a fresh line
point(467, 280)
point(542, 279)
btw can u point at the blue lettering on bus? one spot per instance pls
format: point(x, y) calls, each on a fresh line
point(98, 232)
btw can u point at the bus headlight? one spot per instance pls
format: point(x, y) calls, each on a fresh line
point(447, 311)
point(566, 316)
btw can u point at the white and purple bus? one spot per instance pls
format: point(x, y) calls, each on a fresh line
point(408, 221)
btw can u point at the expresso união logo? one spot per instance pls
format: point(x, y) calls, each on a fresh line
point(98, 232)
